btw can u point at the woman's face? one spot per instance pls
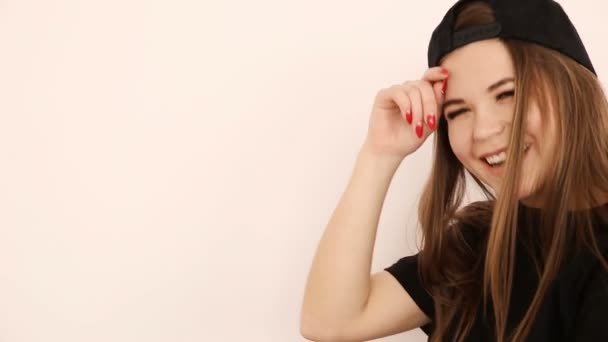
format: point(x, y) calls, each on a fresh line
point(479, 107)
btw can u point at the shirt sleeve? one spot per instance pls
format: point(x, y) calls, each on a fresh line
point(592, 318)
point(405, 270)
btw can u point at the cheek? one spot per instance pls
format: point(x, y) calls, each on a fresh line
point(460, 147)
point(534, 123)
point(542, 127)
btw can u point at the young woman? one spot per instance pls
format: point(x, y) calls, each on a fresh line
point(514, 101)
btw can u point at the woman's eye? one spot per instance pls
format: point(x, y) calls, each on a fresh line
point(501, 96)
point(506, 94)
point(454, 114)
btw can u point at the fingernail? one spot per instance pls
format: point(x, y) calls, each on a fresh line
point(444, 86)
point(408, 116)
point(444, 71)
point(430, 119)
point(419, 129)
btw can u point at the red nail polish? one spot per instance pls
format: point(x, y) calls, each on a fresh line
point(430, 119)
point(444, 71)
point(419, 129)
point(408, 116)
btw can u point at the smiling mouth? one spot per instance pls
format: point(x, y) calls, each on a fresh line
point(500, 158)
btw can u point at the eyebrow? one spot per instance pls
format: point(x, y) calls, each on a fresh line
point(489, 90)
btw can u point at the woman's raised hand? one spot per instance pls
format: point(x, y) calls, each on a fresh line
point(404, 115)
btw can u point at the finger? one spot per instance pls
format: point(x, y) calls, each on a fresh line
point(435, 74)
point(439, 91)
point(429, 104)
point(415, 96)
point(403, 101)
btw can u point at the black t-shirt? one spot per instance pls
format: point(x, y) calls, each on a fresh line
point(575, 306)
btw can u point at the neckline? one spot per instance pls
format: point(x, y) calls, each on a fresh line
point(531, 209)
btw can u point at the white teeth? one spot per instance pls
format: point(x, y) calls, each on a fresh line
point(497, 158)
point(501, 157)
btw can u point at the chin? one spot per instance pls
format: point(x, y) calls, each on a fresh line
point(529, 195)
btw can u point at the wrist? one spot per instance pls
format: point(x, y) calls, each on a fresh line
point(380, 161)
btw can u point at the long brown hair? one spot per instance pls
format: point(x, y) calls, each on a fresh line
point(462, 272)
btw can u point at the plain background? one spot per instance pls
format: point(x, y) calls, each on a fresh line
point(168, 167)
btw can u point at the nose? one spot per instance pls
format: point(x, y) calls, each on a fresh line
point(486, 126)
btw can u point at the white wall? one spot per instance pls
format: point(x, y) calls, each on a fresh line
point(167, 167)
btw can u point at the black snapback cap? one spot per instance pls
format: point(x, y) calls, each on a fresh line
point(543, 22)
